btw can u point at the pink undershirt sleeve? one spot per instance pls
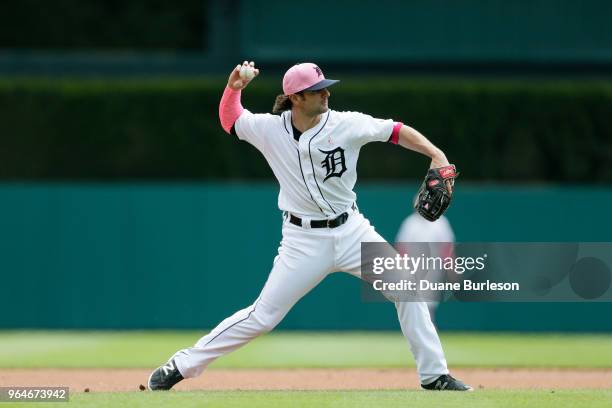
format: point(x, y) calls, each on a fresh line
point(230, 108)
point(395, 133)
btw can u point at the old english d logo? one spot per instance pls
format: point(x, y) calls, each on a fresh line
point(333, 163)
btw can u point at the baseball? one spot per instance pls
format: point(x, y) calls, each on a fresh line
point(247, 72)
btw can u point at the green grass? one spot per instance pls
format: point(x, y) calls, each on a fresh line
point(349, 399)
point(294, 349)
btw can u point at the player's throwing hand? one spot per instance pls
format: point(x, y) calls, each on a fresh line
point(242, 75)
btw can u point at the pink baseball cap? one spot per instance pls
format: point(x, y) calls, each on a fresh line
point(305, 77)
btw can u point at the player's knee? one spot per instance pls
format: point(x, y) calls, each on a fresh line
point(266, 323)
point(271, 321)
point(268, 318)
point(268, 326)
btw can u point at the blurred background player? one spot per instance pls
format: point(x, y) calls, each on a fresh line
point(415, 228)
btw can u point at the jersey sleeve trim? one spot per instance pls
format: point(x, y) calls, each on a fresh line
point(394, 138)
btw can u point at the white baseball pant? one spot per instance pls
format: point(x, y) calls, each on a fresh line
point(305, 257)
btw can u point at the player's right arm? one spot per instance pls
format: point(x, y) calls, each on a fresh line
point(230, 107)
point(236, 120)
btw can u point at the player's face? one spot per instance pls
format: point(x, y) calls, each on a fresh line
point(315, 102)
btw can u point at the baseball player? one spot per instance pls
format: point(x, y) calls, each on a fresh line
point(313, 153)
point(439, 233)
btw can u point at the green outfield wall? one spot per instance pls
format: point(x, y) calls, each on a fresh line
point(183, 255)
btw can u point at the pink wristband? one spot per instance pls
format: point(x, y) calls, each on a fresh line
point(395, 133)
point(230, 108)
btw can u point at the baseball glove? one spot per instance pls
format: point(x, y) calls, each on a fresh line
point(434, 196)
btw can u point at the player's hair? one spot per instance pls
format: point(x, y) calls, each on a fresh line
point(283, 103)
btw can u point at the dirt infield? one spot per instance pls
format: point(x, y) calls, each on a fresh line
point(305, 379)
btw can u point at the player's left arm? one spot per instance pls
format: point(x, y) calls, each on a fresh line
point(372, 129)
point(413, 139)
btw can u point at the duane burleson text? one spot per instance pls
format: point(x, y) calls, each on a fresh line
point(406, 285)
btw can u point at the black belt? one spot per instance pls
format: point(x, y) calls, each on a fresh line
point(333, 223)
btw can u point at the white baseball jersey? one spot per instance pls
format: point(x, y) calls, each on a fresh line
point(318, 173)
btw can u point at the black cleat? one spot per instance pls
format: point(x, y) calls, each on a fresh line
point(447, 382)
point(164, 377)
